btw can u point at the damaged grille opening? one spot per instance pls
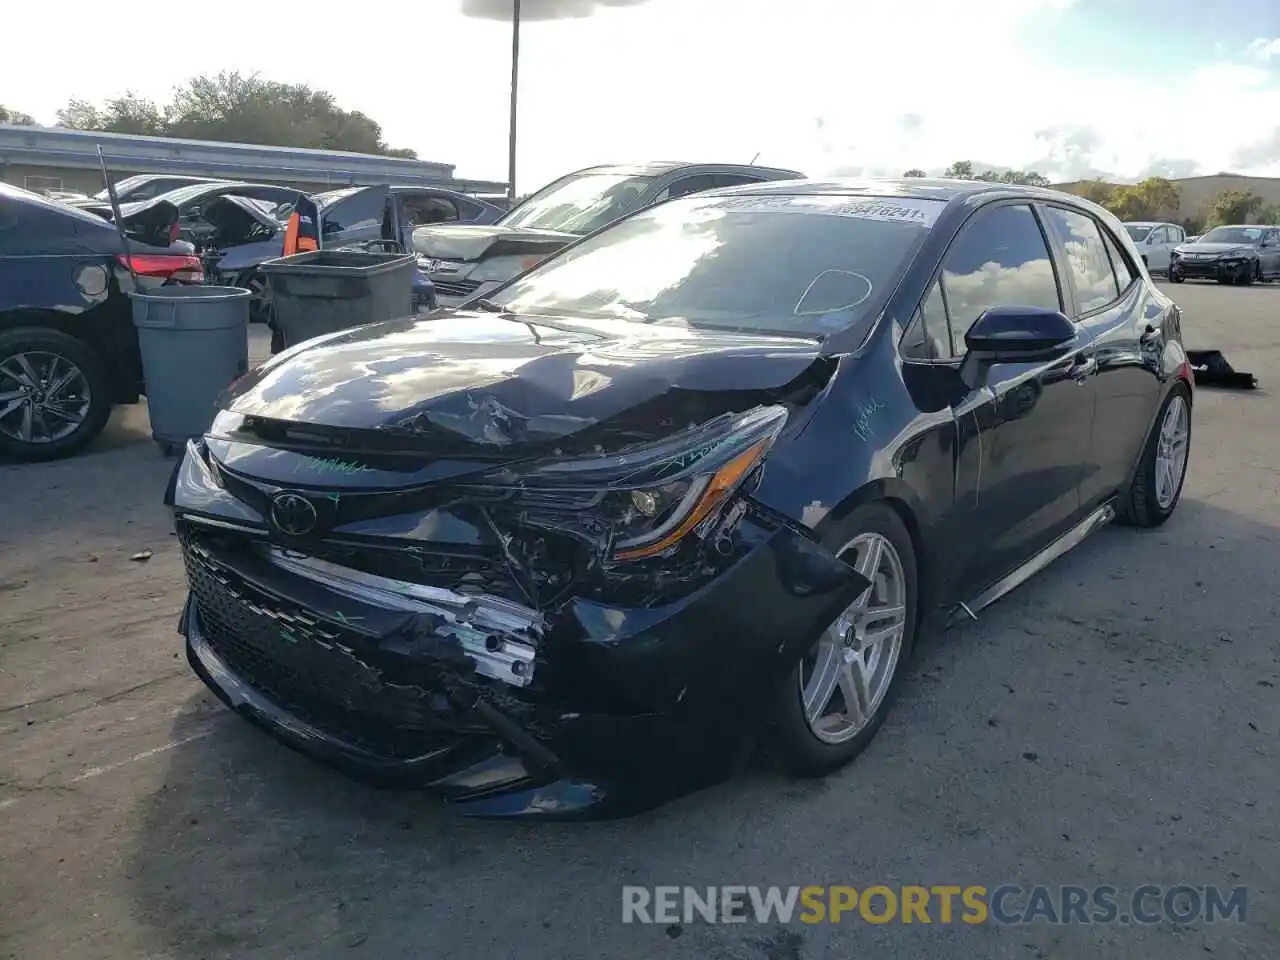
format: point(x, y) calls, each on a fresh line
point(425, 678)
point(315, 669)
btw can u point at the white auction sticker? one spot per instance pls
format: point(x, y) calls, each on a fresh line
point(920, 212)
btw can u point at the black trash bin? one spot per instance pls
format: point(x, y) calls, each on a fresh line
point(325, 291)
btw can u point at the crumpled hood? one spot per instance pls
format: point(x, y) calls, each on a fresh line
point(472, 242)
point(475, 378)
point(1215, 249)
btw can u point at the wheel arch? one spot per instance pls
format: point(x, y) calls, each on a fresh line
point(73, 325)
point(902, 500)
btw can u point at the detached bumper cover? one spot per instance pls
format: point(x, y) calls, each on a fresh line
point(627, 707)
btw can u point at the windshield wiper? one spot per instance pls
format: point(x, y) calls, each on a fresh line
point(486, 305)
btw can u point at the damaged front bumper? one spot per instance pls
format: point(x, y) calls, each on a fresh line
point(590, 708)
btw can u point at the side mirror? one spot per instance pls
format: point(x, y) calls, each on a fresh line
point(1014, 334)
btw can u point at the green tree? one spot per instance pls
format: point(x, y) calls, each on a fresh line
point(16, 117)
point(237, 108)
point(129, 113)
point(914, 172)
point(1270, 214)
point(1233, 206)
point(963, 170)
point(1097, 190)
point(1152, 199)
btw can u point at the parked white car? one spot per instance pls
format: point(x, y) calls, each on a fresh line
point(1155, 241)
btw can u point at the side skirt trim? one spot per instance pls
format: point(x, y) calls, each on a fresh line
point(1099, 518)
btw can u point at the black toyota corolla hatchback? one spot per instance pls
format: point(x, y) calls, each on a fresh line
point(698, 480)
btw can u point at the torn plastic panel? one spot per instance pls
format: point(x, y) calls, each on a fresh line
point(498, 635)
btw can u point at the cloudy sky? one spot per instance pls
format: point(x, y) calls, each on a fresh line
point(1067, 87)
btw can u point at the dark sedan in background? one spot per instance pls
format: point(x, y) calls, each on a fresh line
point(1240, 254)
point(699, 478)
point(466, 261)
point(68, 348)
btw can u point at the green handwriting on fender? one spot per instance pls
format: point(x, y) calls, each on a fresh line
point(332, 465)
point(863, 413)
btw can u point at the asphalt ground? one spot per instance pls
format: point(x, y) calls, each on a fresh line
point(1113, 722)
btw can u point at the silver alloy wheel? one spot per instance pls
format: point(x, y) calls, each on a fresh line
point(846, 676)
point(44, 397)
point(1171, 450)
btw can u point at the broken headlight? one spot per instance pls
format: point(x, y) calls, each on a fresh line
point(655, 495)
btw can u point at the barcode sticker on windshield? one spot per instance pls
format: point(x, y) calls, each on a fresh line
point(923, 213)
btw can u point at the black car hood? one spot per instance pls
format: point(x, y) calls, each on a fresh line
point(471, 242)
point(468, 381)
point(1216, 248)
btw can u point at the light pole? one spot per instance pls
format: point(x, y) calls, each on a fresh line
point(515, 83)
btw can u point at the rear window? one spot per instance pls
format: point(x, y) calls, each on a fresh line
point(796, 265)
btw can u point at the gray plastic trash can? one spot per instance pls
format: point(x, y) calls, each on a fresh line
point(194, 341)
point(325, 291)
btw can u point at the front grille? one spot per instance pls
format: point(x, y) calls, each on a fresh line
point(455, 288)
point(310, 667)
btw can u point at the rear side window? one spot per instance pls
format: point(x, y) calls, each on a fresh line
point(425, 209)
point(1087, 259)
point(362, 210)
point(1119, 262)
point(1001, 259)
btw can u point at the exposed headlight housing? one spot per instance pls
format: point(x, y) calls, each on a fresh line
point(654, 496)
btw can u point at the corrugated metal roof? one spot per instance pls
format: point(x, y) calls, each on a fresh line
point(58, 147)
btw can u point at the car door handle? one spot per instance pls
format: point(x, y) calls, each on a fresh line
point(1084, 368)
point(1150, 333)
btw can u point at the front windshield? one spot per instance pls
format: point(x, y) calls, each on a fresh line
point(1138, 233)
point(794, 265)
point(580, 204)
point(1233, 235)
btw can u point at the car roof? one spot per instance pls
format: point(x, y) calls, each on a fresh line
point(10, 192)
point(653, 168)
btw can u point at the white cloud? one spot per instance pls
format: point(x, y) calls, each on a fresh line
point(713, 79)
point(1265, 49)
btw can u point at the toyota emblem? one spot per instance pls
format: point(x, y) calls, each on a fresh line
point(293, 514)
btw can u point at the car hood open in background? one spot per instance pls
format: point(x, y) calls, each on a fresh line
point(467, 379)
point(151, 222)
point(471, 242)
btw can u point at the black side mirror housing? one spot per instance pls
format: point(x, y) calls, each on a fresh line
point(1014, 334)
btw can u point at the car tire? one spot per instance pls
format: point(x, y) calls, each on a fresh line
point(39, 346)
point(1175, 276)
point(1147, 504)
point(1245, 277)
point(795, 743)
